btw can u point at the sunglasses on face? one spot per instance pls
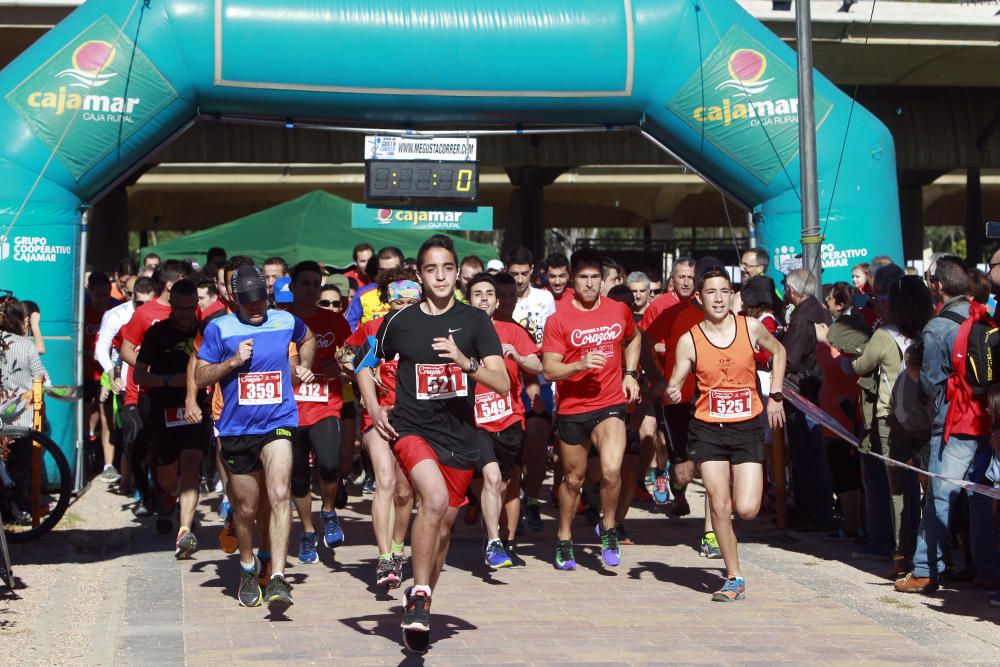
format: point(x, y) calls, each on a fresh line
point(326, 303)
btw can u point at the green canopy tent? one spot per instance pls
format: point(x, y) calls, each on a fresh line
point(315, 226)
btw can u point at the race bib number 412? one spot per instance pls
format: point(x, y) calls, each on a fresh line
point(730, 404)
point(260, 388)
point(317, 391)
point(440, 381)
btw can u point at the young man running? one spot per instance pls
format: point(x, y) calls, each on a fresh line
point(501, 417)
point(178, 446)
point(725, 437)
point(319, 404)
point(582, 354)
point(392, 502)
point(247, 354)
point(443, 346)
point(533, 309)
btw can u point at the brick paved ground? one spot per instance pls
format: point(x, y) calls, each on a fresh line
point(106, 590)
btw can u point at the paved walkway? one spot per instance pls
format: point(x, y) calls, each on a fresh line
point(105, 589)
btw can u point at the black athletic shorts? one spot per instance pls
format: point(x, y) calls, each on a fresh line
point(738, 442)
point(91, 390)
point(170, 439)
point(322, 438)
point(241, 453)
point(506, 447)
point(676, 419)
point(576, 429)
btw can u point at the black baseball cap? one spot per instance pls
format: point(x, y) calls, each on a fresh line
point(248, 285)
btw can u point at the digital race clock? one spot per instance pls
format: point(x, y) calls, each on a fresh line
point(405, 180)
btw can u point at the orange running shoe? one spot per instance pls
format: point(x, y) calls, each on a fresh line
point(227, 536)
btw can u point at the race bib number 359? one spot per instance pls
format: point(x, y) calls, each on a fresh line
point(440, 381)
point(730, 404)
point(260, 388)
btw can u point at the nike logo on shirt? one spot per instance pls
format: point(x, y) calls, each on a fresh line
point(451, 331)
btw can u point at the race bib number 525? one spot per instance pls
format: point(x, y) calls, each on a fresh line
point(260, 388)
point(439, 381)
point(730, 404)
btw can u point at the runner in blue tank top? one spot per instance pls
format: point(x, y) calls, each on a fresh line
point(247, 353)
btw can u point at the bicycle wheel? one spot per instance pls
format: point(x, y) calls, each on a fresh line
point(56, 485)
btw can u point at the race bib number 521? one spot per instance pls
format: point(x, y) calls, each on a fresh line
point(439, 381)
point(260, 388)
point(734, 404)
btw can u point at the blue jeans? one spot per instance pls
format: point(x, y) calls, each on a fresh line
point(878, 501)
point(954, 460)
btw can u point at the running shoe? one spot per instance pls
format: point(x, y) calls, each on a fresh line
point(650, 480)
point(417, 612)
point(278, 592)
point(110, 475)
point(385, 573)
point(368, 485)
point(734, 589)
point(565, 559)
point(307, 548)
point(397, 568)
point(264, 576)
point(224, 508)
point(333, 534)
point(710, 546)
point(661, 491)
point(533, 517)
point(511, 549)
point(228, 541)
point(249, 593)
point(186, 545)
point(495, 555)
point(623, 537)
point(611, 551)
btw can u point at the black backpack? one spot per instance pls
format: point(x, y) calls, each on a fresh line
point(982, 366)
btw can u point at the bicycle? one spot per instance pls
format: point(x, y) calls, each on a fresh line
point(36, 485)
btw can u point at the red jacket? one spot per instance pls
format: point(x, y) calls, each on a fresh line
point(967, 414)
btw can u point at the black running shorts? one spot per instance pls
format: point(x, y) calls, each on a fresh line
point(241, 453)
point(738, 442)
point(676, 420)
point(576, 429)
point(506, 447)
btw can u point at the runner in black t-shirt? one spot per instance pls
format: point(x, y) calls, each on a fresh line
point(177, 445)
point(445, 348)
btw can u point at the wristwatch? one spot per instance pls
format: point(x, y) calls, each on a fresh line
point(473, 365)
point(632, 374)
point(777, 396)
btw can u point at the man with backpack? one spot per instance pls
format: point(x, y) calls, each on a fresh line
point(956, 444)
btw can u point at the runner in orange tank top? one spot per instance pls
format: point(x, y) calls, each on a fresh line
point(725, 437)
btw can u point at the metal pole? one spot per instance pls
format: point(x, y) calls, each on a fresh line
point(811, 240)
point(80, 479)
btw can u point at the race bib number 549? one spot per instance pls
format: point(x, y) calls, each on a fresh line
point(734, 404)
point(260, 388)
point(439, 381)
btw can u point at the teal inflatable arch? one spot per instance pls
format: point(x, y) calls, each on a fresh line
point(90, 101)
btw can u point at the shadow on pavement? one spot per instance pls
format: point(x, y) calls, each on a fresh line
point(443, 627)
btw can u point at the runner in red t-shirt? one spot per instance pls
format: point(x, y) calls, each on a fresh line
point(136, 413)
point(557, 275)
point(501, 419)
point(582, 354)
point(392, 502)
point(319, 403)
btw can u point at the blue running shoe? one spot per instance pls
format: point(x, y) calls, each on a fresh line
point(565, 558)
point(661, 488)
point(496, 556)
point(333, 535)
point(611, 551)
point(224, 508)
point(734, 589)
point(307, 548)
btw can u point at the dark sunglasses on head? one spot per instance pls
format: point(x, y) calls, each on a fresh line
point(326, 303)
